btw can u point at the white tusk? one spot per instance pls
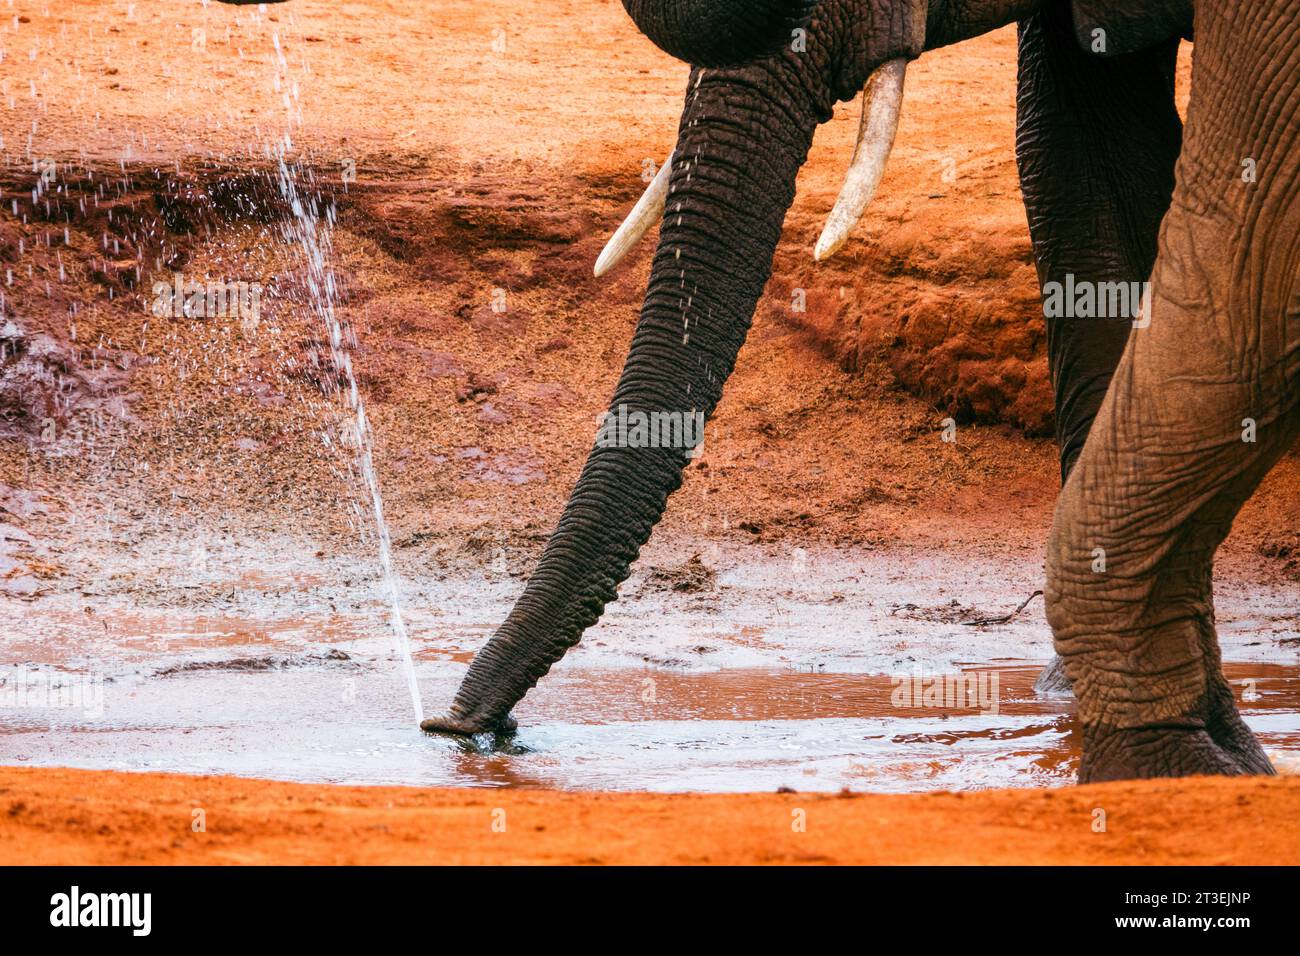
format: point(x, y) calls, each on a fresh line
point(882, 101)
point(644, 214)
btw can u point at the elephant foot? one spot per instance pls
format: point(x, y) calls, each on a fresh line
point(457, 725)
point(1147, 752)
point(1053, 682)
point(1215, 742)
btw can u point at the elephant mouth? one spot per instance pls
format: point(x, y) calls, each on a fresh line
point(841, 41)
point(882, 104)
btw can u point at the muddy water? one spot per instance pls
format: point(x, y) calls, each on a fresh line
point(752, 684)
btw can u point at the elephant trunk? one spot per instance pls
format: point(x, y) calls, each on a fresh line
point(742, 138)
point(718, 32)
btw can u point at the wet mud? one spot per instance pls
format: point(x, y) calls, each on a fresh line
point(858, 672)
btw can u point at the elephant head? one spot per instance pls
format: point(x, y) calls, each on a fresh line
point(744, 133)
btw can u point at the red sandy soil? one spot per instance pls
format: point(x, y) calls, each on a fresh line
point(482, 169)
point(90, 817)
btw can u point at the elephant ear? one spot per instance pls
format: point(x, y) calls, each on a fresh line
point(1118, 27)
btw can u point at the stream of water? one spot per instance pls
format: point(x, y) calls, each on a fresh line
point(311, 231)
point(310, 228)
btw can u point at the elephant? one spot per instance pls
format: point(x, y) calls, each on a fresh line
point(1167, 418)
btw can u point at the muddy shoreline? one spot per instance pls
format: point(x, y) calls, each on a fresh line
point(721, 668)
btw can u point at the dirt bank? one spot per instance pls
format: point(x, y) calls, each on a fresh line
point(69, 816)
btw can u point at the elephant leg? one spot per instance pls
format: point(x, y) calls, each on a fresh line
point(1096, 144)
point(1206, 398)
